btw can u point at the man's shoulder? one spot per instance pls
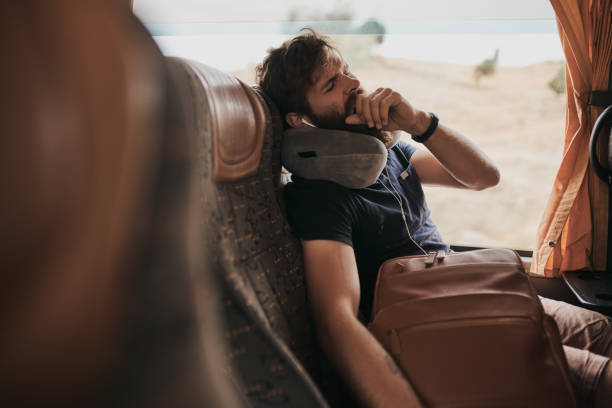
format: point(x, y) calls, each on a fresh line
point(319, 209)
point(300, 186)
point(314, 195)
point(406, 148)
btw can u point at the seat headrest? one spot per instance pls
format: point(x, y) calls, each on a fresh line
point(234, 117)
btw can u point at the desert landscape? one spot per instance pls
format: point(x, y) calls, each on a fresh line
point(513, 115)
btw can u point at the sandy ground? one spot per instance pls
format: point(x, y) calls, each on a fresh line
point(512, 115)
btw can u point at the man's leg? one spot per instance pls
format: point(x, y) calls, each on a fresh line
point(580, 328)
point(590, 375)
point(587, 342)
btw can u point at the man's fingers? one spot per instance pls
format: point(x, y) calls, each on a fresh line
point(389, 100)
point(380, 111)
point(366, 113)
point(353, 119)
point(374, 107)
point(358, 104)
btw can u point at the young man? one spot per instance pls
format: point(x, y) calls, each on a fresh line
point(346, 234)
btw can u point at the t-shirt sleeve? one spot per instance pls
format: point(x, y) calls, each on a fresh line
point(320, 210)
point(407, 148)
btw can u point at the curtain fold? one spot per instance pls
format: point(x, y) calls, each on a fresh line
point(573, 229)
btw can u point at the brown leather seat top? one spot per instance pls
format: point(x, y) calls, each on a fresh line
point(237, 124)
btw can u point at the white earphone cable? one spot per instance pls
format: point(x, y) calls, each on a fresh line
point(398, 197)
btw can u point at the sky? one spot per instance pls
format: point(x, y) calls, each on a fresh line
point(159, 11)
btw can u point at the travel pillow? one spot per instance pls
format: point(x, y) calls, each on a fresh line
point(353, 160)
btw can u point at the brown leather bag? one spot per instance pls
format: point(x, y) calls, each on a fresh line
point(468, 330)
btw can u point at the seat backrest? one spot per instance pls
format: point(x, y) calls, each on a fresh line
point(75, 155)
point(97, 302)
point(248, 245)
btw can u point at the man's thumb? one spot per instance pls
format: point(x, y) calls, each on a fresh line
point(353, 119)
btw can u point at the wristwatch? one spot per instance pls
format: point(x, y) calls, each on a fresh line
point(432, 128)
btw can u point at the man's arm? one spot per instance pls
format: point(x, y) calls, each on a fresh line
point(333, 290)
point(452, 160)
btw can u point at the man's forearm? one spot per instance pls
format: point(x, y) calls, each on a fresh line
point(459, 155)
point(365, 365)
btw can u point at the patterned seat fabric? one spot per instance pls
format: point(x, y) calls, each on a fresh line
point(247, 242)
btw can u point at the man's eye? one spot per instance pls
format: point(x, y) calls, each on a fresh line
point(333, 83)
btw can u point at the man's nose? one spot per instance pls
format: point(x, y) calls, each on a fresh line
point(351, 83)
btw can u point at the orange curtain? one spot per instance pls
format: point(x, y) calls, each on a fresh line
point(573, 230)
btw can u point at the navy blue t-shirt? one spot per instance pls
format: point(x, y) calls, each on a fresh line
point(368, 219)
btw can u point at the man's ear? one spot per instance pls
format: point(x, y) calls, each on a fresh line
point(294, 120)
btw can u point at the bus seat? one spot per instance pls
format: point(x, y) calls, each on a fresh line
point(234, 133)
point(97, 302)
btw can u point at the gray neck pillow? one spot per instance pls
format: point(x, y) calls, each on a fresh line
point(353, 160)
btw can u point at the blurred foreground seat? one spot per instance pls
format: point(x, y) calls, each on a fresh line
point(102, 276)
point(145, 258)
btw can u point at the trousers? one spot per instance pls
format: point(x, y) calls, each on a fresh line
point(587, 341)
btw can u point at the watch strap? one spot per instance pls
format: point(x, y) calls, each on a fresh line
point(433, 125)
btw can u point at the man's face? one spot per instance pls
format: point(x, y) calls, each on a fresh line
point(332, 97)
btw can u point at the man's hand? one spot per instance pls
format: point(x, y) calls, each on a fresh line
point(451, 159)
point(386, 109)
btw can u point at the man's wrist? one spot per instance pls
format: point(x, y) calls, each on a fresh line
point(420, 125)
point(433, 125)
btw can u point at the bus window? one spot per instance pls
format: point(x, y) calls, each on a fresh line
point(492, 69)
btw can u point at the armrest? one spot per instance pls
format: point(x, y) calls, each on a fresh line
point(593, 289)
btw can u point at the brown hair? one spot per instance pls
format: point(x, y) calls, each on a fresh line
point(289, 71)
